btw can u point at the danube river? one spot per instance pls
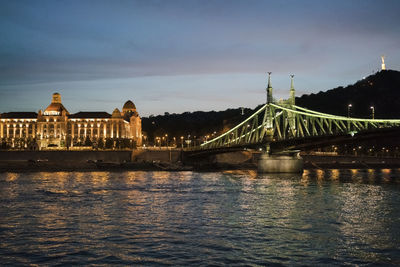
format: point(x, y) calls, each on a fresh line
point(330, 217)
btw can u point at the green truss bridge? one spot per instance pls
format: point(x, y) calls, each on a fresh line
point(283, 125)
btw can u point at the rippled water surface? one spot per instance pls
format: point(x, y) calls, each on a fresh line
point(330, 217)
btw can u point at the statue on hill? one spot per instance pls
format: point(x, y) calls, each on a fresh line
point(383, 62)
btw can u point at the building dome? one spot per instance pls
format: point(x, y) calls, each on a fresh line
point(116, 114)
point(56, 107)
point(128, 106)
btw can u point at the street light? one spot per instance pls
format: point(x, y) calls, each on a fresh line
point(373, 112)
point(182, 142)
point(348, 109)
point(158, 141)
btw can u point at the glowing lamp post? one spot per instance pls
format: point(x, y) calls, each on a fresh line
point(349, 109)
point(373, 112)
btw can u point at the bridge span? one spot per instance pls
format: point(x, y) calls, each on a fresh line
point(282, 125)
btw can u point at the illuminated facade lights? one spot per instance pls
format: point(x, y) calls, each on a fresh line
point(56, 127)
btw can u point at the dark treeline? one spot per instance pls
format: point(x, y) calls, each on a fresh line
point(192, 125)
point(381, 90)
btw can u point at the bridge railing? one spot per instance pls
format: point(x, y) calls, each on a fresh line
point(301, 122)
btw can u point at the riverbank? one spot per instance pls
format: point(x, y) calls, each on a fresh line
point(70, 166)
point(168, 160)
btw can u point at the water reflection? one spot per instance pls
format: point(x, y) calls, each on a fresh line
point(320, 174)
point(335, 174)
point(321, 217)
point(11, 177)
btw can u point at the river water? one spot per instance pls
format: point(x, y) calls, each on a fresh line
point(330, 217)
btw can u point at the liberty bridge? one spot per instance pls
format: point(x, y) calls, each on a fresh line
point(286, 127)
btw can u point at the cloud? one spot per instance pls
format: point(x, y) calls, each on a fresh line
point(76, 43)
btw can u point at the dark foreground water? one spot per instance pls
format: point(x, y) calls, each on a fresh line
point(331, 217)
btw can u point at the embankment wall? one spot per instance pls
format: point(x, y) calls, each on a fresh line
point(160, 155)
point(71, 156)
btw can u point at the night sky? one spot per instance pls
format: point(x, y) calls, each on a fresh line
point(179, 56)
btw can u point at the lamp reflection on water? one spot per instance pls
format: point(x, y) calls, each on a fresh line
point(371, 175)
point(320, 174)
point(99, 178)
point(305, 178)
point(11, 176)
point(386, 175)
point(335, 174)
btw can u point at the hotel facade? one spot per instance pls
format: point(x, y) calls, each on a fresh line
point(56, 128)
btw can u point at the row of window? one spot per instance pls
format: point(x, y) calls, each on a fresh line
point(81, 132)
point(81, 122)
point(59, 126)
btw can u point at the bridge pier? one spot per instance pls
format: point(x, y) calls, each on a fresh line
point(280, 163)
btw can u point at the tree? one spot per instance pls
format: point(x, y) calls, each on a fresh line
point(31, 144)
point(88, 142)
point(117, 143)
point(100, 143)
point(68, 141)
point(109, 143)
point(3, 143)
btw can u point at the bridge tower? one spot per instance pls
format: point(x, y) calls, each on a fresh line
point(292, 92)
point(291, 102)
point(269, 127)
point(269, 89)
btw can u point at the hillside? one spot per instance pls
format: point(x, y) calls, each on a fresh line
point(381, 90)
point(197, 123)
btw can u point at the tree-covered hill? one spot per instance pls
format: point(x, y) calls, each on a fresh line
point(196, 124)
point(381, 90)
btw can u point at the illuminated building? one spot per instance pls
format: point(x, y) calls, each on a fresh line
point(55, 127)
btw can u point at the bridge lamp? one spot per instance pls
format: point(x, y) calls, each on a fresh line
point(348, 109)
point(373, 112)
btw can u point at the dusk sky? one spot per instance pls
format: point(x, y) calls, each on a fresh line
point(177, 56)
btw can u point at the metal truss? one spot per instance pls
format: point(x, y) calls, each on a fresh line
point(274, 122)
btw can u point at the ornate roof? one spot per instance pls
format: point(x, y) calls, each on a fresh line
point(55, 108)
point(116, 114)
point(128, 106)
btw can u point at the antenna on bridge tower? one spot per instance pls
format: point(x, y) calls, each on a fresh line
point(269, 89)
point(292, 95)
point(383, 62)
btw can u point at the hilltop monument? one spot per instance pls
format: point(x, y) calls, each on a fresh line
point(383, 62)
